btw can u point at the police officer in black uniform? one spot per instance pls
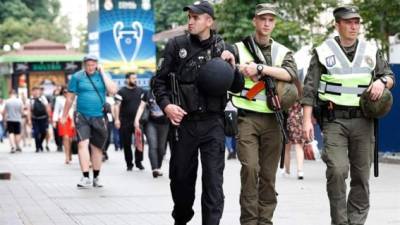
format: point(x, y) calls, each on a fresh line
point(198, 113)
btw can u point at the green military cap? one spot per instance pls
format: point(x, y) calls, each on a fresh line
point(265, 8)
point(346, 12)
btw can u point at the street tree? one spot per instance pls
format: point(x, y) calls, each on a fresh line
point(381, 20)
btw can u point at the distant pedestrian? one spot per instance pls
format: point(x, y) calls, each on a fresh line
point(156, 130)
point(127, 103)
point(2, 131)
point(13, 116)
point(56, 94)
point(26, 125)
point(67, 130)
point(40, 111)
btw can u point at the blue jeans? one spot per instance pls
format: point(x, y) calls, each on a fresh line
point(230, 143)
point(1, 130)
point(116, 139)
point(156, 134)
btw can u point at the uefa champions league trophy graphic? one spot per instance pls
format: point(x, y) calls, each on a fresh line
point(128, 42)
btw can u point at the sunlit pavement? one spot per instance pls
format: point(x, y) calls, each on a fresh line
point(42, 191)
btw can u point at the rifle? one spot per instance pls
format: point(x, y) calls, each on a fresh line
point(376, 155)
point(271, 93)
point(176, 99)
point(276, 107)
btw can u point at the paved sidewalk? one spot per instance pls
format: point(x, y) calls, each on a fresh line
point(43, 191)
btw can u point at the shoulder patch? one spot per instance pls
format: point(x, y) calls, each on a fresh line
point(369, 61)
point(182, 53)
point(330, 61)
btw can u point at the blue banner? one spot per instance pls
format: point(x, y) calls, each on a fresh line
point(125, 31)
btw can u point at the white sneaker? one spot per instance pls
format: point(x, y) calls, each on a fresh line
point(84, 183)
point(300, 175)
point(97, 183)
point(284, 173)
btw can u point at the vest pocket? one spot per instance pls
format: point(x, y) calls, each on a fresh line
point(189, 97)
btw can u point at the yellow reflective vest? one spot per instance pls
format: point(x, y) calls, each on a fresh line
point(259, 102)
point(345, 81)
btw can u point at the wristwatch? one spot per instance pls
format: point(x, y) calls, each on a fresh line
point(260, 68)
point(382, 79)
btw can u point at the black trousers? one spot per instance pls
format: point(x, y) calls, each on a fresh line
point(57, 138)
point(126, 132)
point(39, 127)
point(206, 137)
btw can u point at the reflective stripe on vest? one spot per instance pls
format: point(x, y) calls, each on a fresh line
point(259, 102)
point(346, 80)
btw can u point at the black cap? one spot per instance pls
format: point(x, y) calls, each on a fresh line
point(200, 7)
point(346, 12)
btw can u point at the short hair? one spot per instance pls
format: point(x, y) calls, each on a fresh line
point(129, 74)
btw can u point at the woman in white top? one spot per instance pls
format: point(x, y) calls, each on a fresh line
point(67, 130)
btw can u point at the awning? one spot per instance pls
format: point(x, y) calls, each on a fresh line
point(40, 58)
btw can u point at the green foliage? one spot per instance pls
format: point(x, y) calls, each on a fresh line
point(381, 19)
point(293, 27)
point(169, 12)
point(234, 19)
point(14, 9)
point(26, 20)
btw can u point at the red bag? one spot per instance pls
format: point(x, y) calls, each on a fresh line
point(308, 152)
point(138, 140)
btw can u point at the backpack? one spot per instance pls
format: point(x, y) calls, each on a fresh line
point(38, 109)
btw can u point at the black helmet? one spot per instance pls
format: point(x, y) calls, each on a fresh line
point(215, 77)
point(376, 109)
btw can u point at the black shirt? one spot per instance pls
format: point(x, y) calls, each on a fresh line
point(129, 99)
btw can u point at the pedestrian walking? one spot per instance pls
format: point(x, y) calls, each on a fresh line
point(190, 86)
point(156, 130)
point(12, 114)
point(39, 117)
point(341, 70)
point(67, 130)
point(260, 139)
point(295, 133)
point(127, 103)
point(89, 87)
point(2, 131)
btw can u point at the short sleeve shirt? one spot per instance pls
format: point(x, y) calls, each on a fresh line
point(13, 107)
point(89, 103)
point(129, 98)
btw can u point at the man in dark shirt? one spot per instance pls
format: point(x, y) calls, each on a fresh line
point(127, 101)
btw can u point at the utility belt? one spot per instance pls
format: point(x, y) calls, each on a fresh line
point(245, 112)
point(198, 116)
point(331, 112)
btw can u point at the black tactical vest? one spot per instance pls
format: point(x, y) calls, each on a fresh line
point(190, 56)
